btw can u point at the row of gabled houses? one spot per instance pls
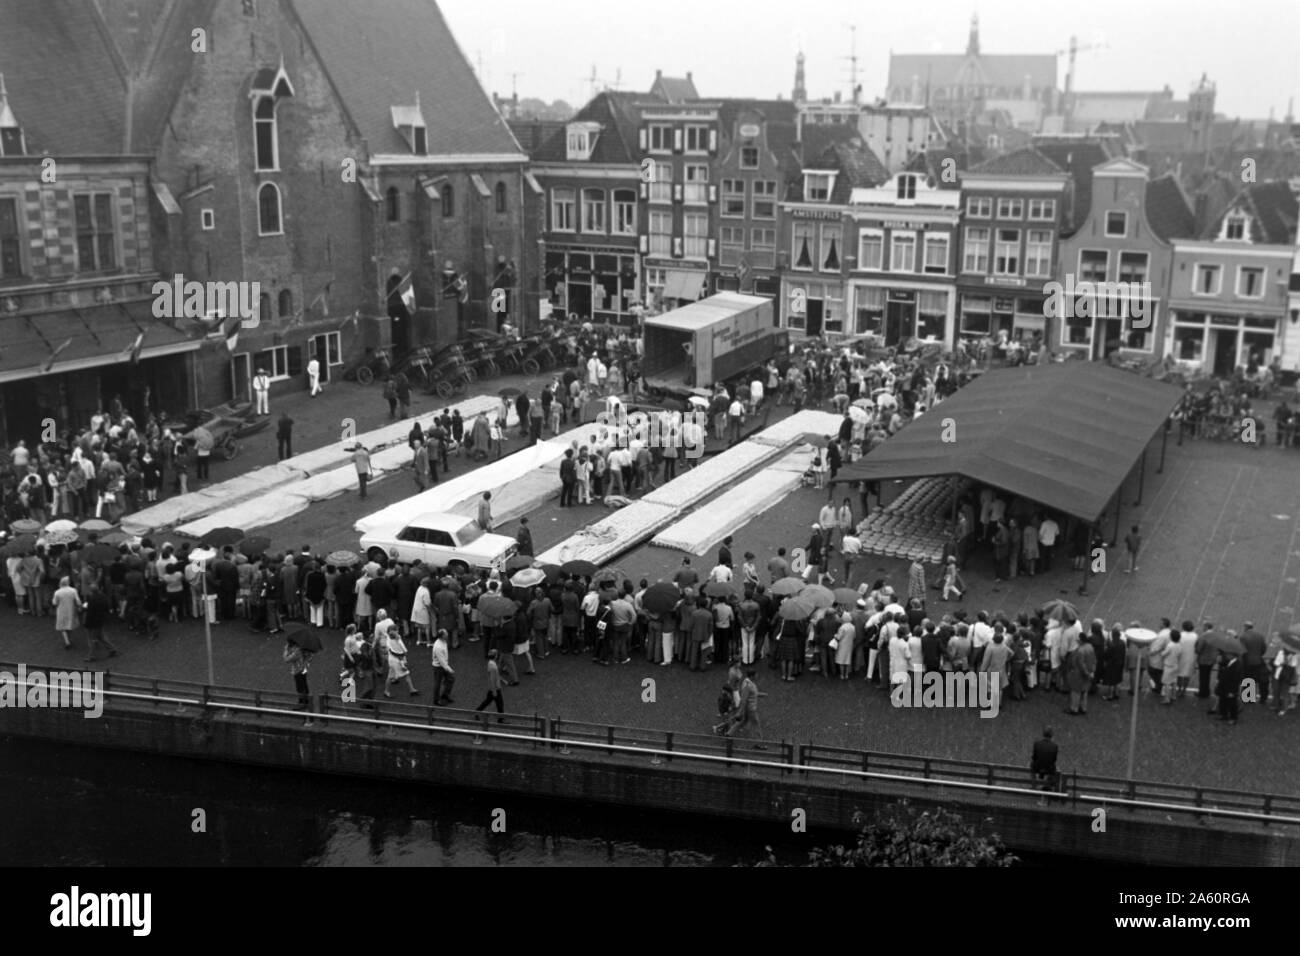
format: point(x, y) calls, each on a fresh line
point(342, 164)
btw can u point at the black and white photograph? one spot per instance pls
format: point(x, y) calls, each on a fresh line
point(571, 434)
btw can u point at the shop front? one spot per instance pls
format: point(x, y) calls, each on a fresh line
point(1219, 344)
point(898, 315)
point(671, 284)
point(595, 286)
point(985, 313)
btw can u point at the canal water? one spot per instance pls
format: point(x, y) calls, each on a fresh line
point(73, 806)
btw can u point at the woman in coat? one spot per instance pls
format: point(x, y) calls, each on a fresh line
point(397, 667)
point(422, 613)
point(66, 606)
point(1114, 655)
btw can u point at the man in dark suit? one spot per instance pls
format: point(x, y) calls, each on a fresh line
point(1043, 763)
point(226, 578)
point(724, 552)
point(1230, 675)
point(1252, 663)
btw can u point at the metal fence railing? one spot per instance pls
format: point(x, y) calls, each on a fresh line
point(775, 758)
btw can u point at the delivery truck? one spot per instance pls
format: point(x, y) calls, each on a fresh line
point(714, 340)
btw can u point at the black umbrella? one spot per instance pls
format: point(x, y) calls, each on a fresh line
point(99, 553)
point(553, 572)
point(220, 537)
point(519, 562)
point(252, 547)
point(721, 589)
point(510, 392)
point(578, 567)
point(305, 638)
point(660, 598)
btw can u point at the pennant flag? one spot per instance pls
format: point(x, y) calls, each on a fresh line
point(232, 335)
point(49, 362)
point(405, 291)
point(132, 352)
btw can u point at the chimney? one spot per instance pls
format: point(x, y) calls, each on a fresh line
point(688, 76)
point(659, 74)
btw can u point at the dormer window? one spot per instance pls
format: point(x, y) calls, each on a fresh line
point(409, 121)
point(906, 187)
point(580, 140)
point(817, 186)
point(1234, 227)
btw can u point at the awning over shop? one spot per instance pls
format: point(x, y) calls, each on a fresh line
point(1064, 435)
point(85, 338)
point(680, 284)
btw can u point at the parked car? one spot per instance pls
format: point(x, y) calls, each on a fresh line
point(442, 540)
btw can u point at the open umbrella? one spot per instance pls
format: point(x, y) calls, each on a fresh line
point(95, 525)
point(510, 392)
point(1060, 610)
point(660, 598)
point(608, 576)
point(1291, 637)
point(60, 532)
point(520, 561)
point(795, 610)
point(25, 526)
point(100, 553)
point(114, 537)
point(1140, 635)
point(863, 403)
point(699, 401)
point(203, 438)
point(220, 537)
point(895, 608)
point(788, 586)
point(553, 572)
point(528, 577)
point(305, 638)
point(578, 567)
point(721, 589)
point(18, 546)
point(858, 415)
point(342, 559)
point(494, 605)
point(252, 547)
point(846, 596)
point(818, 596)
point(1222, 642)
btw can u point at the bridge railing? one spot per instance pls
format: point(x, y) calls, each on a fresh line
point(783, 758)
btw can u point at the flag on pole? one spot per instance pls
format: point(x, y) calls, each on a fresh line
point(405, 291)
point(49, 362)
point(232, 335)
point(132, 352)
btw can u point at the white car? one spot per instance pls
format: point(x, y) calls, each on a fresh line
point(442, 540)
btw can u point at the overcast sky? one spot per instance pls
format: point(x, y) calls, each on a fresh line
point(747, 47)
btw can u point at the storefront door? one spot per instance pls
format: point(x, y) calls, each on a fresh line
point(580, 298)
point(814, 317)
point(900, 320)
point(1106, 337)
point(241, 377)
point(1224, 343)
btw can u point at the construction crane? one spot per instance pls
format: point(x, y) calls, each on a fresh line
point(1074, 50)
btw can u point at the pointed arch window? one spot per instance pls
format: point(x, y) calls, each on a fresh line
point(265, 134)
point(268, 210)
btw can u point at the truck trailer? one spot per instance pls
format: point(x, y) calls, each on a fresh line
point(699, 345)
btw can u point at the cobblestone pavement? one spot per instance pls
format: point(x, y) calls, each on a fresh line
point(1222, 533)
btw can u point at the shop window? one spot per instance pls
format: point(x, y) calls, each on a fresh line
point(931, 315)
point(869, 311)
point(1189, 344)
point(1077, 330)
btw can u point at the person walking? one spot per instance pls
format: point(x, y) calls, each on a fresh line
point(67, 604)
point(568, 478)
point(1042, 764)
point(94, 618)
point(494, 693)
point(444, 678)
point(398, 670)
point(745, 719)
point(1229, 689)
point(262, 391)
point(313, 376)
point(284, 436)
point(1132, 545)
point(361, 460)
point(1207, 655)
point(484, 517)
point(299, 662)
